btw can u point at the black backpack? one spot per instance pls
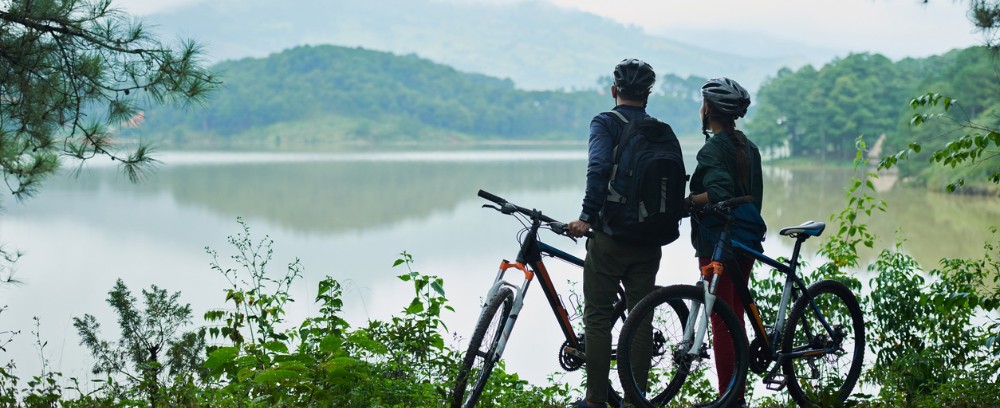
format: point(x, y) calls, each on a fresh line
point(645, 200)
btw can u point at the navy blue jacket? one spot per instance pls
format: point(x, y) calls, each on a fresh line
point(604, 133)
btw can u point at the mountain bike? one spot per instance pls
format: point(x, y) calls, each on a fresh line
point(819, 349)
point(504, 301)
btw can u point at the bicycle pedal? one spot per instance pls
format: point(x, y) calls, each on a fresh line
point(776, 382)
point(574, 352)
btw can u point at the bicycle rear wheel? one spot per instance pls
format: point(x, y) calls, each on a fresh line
point(481, 355)
point(832, 374)
point(675, 376)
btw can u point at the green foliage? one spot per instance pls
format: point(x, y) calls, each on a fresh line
point(150, 342)
point(935, 337)
point(70, 71)
point(978, 147)
point(842, 247)
point(818, 113)
point(323, 361)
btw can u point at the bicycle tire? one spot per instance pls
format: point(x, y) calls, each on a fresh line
point(837, 304)
point(490, 325)
point(677, 365)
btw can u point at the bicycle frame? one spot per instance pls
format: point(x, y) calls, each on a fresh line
point(794, 286)
point(530, 262)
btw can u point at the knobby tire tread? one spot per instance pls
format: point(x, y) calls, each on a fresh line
point(801, 306)
point(676, 296)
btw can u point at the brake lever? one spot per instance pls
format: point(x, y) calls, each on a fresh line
point(561, 229)
point(491, 206)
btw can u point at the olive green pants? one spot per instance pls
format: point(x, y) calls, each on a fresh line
point(609, 262)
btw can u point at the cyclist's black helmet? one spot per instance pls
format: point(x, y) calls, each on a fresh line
point(726, 97)
point(634, 78)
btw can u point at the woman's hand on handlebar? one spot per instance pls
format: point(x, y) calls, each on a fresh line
point(577, 229)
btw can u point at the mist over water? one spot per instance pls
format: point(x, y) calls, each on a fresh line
point(349, 215)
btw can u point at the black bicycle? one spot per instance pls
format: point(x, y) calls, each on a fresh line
point(505, 300)
point(817, 352)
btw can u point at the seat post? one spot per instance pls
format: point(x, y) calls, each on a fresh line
point(799, 239)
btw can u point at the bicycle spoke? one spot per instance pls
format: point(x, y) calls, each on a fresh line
point(677, 376)
point(831, 363)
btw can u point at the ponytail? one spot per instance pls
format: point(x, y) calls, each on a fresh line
point(740, 140)
point(728, 124)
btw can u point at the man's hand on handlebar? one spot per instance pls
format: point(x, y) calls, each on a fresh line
point(577, 229)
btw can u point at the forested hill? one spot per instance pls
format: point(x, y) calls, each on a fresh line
point(820, 113)
point(329, 95)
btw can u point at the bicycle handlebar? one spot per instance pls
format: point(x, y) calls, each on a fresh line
point(507, 207)
point(725, 206)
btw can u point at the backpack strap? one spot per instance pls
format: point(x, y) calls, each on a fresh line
point(618, 115)
point(613, 195)
point(621, 137)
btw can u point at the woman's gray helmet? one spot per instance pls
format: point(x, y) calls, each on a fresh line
point(726, 97)
point(634, 78)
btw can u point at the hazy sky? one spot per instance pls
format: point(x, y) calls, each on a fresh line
point(895, 28)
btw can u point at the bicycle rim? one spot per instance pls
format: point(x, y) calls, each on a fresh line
point(829, 376)
point(677, 377)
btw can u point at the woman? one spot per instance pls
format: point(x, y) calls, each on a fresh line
point(728, 167)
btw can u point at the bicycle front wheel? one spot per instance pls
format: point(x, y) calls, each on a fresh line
point(675, 375)
point(828, 364)
point(481, 355)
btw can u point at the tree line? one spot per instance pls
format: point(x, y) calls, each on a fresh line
point(818, 113)
point(310, 83)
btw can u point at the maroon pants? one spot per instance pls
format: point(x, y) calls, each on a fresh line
point(725, 356)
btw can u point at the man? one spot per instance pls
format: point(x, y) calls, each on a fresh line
point(610, 261)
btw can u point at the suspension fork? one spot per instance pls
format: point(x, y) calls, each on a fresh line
point(694, 332)
point(515, 309)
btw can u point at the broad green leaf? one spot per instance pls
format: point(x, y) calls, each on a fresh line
point(274, 375)
point(245, 373)
point(331, 344)
point(293, 366)
point(416, 306)
point(221, 356)
point(437, 287)
point(276, 346)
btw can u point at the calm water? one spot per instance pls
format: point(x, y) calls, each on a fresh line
point(349, 216)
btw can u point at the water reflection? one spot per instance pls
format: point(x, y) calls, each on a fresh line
point(330, 194)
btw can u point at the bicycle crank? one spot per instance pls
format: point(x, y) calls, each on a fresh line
point(571, 358)
point(760, 357)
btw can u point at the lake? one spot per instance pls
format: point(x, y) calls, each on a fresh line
point(349, 215)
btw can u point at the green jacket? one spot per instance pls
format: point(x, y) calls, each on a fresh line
point(716, 174)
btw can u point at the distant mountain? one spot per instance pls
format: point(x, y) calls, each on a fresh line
point(534, 43)
point(755, 45)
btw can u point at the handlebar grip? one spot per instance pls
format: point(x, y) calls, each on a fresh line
point(491, 197)
point(739, 200)
point(562, 228)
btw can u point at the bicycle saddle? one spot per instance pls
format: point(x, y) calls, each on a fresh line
point(810, 228)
